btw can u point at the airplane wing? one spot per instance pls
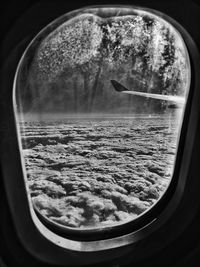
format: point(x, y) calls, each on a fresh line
point(120, 88)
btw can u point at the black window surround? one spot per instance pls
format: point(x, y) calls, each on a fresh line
point(60, 249)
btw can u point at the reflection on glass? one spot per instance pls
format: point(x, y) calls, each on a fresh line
point(97, 154)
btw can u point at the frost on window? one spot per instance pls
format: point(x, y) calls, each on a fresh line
point(96, 154)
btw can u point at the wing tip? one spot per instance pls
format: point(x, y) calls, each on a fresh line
point(118, 87)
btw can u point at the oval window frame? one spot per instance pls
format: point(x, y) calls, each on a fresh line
point(190, 121)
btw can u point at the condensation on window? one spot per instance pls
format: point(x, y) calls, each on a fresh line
point(100, 96)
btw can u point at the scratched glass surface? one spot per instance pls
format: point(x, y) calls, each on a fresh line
point(100, 98)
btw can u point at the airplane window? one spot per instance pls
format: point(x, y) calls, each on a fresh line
point(99, 97)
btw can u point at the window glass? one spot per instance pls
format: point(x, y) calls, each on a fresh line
point(100, 96)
